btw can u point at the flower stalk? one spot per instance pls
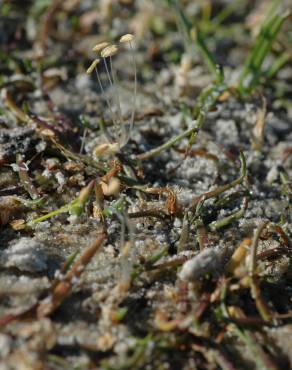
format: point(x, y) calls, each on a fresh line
point(106, 51)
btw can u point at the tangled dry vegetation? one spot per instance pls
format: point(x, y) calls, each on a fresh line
point(145, 188)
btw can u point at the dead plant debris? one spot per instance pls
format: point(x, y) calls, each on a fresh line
point(145, 185)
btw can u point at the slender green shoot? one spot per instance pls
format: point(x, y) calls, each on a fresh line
point(49, 215)
point(225, 13)
point(253, 68)
point(225, 221)
point(193, 37)
point(76, 207)
point(207, 99)
point(278, 64)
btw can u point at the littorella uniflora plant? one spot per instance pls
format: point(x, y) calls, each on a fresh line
point(121, 128)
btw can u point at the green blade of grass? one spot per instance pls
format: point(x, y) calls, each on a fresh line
point(193, 37)
point(252, 69)
point(225, 13)
point(278, 64)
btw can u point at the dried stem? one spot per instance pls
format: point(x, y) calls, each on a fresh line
point(254, 281)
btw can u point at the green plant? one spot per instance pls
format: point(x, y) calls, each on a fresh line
point(194, 39)
point(253, 69)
